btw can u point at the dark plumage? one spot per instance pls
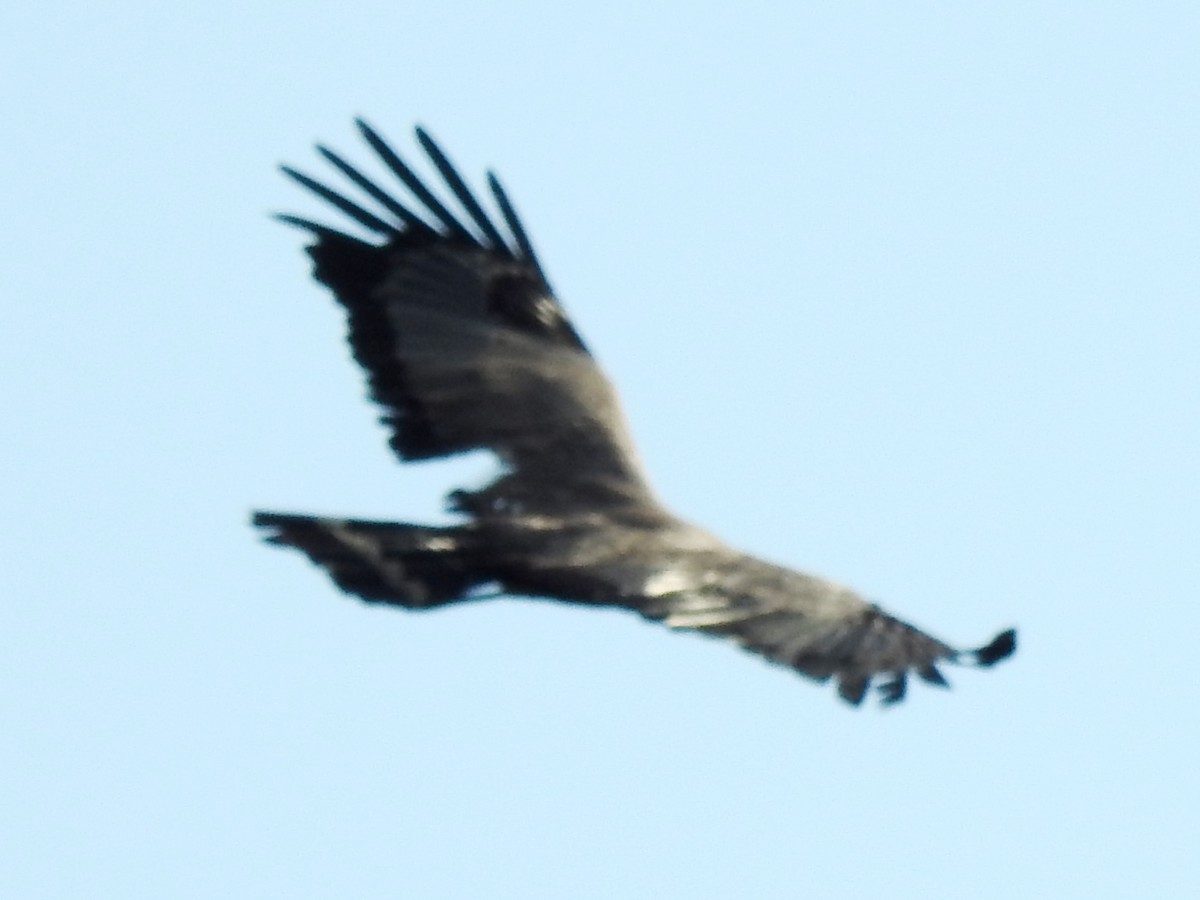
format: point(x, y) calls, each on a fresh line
point(466, 347)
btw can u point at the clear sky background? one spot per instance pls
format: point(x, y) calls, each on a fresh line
point(904, 294)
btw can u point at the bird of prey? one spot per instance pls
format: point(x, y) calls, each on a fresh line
point(466, 347)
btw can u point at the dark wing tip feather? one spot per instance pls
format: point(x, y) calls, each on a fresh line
point(349, 207)
point(999, 648)
point(460, 190)
point(274, 522)
point(883, 652)
point(930, 675)
point(400, 169)
point(853, 689)
point(895, 686)
point(425, 215)
point(893, 690)
point(410, 219)
point(316, 228)
point(513, 221)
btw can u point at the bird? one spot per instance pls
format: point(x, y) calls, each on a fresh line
point(466, 347)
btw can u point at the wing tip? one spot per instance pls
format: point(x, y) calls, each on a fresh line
point(894, 689)
point(892, 686)
point(999, 648)
point(853, 689)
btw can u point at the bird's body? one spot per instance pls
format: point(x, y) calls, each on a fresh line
point(466, 348)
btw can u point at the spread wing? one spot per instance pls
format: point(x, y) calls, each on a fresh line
point(464, 343)
point(858, 649)
point(816, 627)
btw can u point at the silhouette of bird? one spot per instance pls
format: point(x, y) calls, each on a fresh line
point(466, 347)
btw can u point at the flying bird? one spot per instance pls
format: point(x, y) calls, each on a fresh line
point(466, 347)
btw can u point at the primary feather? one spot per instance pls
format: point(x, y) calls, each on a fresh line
point(466, 347)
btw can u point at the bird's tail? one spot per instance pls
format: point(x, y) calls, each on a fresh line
point(414, 566)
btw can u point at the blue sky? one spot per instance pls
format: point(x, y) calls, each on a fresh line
point(905, 295)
